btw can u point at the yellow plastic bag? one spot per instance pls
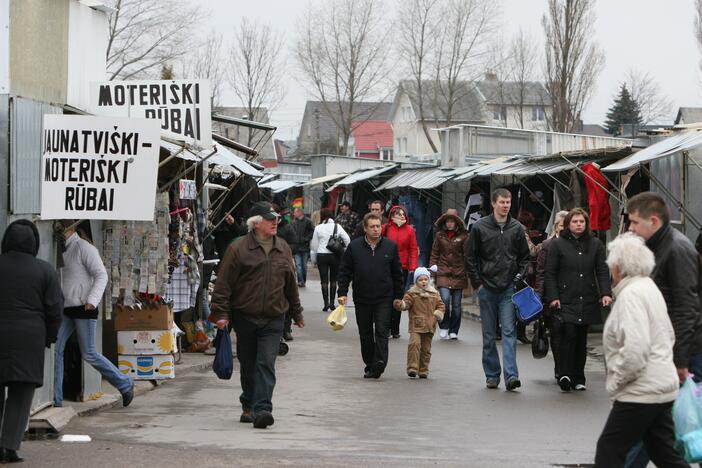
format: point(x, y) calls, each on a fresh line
point(337, 318)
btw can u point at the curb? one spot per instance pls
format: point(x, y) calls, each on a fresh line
point(141, 387)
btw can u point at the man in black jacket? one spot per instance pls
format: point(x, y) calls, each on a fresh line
point(497, 253)
point(375, 207)
point(373, 264)
point(677, 275)
point(302, 231)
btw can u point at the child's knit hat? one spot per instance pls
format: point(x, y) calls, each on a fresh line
point(421, 271)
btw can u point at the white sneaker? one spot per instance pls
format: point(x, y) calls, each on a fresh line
point(580, 387)
point(443, 334)
point(453, 336)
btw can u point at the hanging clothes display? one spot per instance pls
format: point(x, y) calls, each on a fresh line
point(473, 209)
point(598, 198)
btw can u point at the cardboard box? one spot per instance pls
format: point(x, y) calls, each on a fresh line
point(146, 342)
point(157, 367)
point(149, 318)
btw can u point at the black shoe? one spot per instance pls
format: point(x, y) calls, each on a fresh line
point(523, 338)
point(287, 335)
point(513, 384)
point(492, 383)
point(246, 416)
point(368, 374)
point(11, 457)
point(565, 383)
point(263, 419)
point(412, 374)
point(378, 369)
point(128, 396)
point(423, 376)
point(395, 336)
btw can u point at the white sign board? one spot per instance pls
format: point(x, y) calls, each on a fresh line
point(99, 168)
point(182, 107)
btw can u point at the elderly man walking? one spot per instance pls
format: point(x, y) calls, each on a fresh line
point(256, 285)
point(497, 253)
point(372, 263)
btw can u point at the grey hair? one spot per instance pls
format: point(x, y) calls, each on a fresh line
point(560, 216)
point(629, 252)
point(253, 221)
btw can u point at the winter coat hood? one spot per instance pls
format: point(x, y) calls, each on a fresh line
point(21, 236)
point(440, 223)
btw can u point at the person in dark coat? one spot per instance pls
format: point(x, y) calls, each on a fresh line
point(31, 303)
point(448, 253)
point(553, 325)
point(576, 283)
point(302, 231)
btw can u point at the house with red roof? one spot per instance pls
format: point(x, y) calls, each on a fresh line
point(372, 139)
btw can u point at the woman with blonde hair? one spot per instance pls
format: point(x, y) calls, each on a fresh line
point(638, 347)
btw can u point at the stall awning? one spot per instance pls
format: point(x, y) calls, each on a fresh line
point(486, 168)
point(359, 176)
point(418, 179)
point(223, 157)
point(267, 178)
point(323, 179)
point(667, 147)
point(278, 186)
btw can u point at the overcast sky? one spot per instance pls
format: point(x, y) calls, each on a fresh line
point(648, 35)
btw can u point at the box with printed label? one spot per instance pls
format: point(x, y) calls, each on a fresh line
point(149, 318)
point(146, 342)
point(155, 367)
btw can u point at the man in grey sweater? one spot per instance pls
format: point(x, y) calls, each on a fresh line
point(83, 281)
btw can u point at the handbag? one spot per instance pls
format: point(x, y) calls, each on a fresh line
point(527, 303)
point(223, 364)
point(539, 343)
point(335, 244)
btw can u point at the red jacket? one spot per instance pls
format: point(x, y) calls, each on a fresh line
point(406, 239)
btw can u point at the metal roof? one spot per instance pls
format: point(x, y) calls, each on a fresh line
point(676, 143)
point(223, 157)
point(278, 186)
point(361, 175)
point(323, 179)
point(267, 178)
point(418, 179)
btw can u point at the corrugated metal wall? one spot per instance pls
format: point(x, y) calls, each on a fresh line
point(26, 123)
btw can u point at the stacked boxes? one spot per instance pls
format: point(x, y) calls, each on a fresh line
point(145, 342)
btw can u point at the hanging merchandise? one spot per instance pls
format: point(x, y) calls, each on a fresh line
point(472, 214)
point(134, 256)
point(598, 198)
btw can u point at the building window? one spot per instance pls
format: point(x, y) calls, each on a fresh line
point(499, 113)
point(538, 113)
point(404, 145)
point(309, 130)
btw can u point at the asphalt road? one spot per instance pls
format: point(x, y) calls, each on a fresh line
point(328, 415)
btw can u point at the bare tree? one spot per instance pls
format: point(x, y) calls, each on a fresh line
point(698, 27)
point(343, 54)
point(647, 93)
point(573, 61)
point(256, 70)
point(206, 64)
point(523, 59)
point(461, 50)
point(145, 34)
point(419, 29)
point(499, 71)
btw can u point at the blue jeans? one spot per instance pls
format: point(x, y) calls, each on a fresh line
point(492, 305)
point(257, 349)
point(301, 259)
point(85, 330)
point(452, 303)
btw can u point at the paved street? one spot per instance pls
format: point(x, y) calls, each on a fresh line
point(328, 415)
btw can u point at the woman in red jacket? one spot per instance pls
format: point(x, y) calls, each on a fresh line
point(398, 230)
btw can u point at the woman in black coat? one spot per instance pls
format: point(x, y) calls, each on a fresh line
point(576, 284)
point(31, 303)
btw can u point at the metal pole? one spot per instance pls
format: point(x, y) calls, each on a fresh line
point(229, 212)
point(163, 188)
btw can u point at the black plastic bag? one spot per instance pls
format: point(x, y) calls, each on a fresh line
point(223, 362)
point(539, 343)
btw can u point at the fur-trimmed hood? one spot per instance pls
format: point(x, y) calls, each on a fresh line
point(440, 223)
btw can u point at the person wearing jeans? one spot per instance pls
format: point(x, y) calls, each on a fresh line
point(83, 281)
point(302, 232)
point(85, 332)
point(448, 254)
point(372, 263)
point(497, 255)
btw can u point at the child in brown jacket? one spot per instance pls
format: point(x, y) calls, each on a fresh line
point(426, 309)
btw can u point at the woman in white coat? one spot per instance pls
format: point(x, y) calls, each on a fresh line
point(638, 347)
point(327, 261)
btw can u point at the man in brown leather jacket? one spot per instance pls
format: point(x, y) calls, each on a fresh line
point(256, 285)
